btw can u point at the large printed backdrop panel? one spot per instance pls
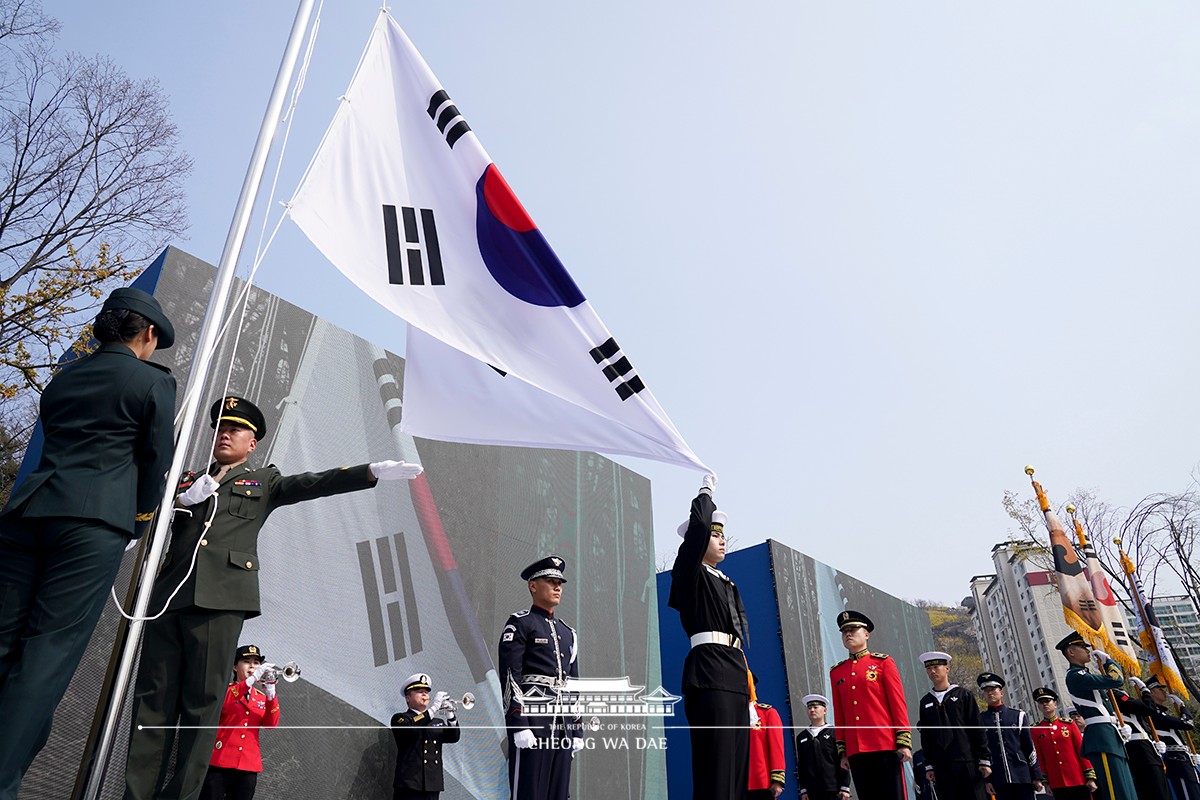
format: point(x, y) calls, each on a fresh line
point(366, 588)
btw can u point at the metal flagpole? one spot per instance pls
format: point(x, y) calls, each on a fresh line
point(201, 363)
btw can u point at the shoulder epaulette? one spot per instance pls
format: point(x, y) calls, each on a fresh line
point(880, 655)
point(523, 613)
point(838, 664)
point(761, 705)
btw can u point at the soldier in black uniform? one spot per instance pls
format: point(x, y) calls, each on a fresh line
point(1144, 751)
point(716, 683)
point(181, 673)
point(957, 759)
point(420, 732)
point(1174, 731)
point(108, 421)
point(538, 653)
point(819, 770)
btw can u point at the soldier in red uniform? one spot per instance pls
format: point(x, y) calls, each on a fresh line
point(1058, 743)
point(236, 760)
point(870, 714)
point(767, 767)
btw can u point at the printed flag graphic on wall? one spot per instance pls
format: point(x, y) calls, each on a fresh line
point(403, 199)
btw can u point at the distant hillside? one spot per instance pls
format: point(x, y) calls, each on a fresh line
point(954, 634)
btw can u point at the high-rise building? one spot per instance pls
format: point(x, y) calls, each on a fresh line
point(1018, 619)
point(1181, 625)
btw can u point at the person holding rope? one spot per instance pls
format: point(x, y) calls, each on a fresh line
point(716, 679)
point(207, 587)
point(1102, 744)
point(107, 419)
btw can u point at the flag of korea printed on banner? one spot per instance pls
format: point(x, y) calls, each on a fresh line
point(403, 199)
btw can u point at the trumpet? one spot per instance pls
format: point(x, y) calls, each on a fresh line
point(467, 702)
point(290, 672)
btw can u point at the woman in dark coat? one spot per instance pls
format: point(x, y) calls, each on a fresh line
point(107, 421)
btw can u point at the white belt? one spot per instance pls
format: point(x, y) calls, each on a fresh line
point(1100, 718)
point(1137, 737)
point(716, 637)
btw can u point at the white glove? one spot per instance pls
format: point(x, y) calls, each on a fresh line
point(438, 699)
point(1196, 759)
point(710, 484)
point(260, 671)
point(1138, 683)
point(576, 745)
point(1100, 657)
point(201, 489)
point(1126, 733)
point(1161, 747)
point(524, 739)
point(395, 470)
point(269, 690)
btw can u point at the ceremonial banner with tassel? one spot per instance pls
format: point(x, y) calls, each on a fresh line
point(1150, 632)
point(1115, 626)
point(1080, 608)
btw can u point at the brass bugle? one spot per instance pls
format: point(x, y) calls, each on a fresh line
point(290, 672)
point(467, 701)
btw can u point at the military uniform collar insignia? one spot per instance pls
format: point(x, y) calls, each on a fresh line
point(862, 654)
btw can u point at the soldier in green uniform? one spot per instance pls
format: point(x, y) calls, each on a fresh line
point(209, 587)
point(1102, 743)
point(107, 421)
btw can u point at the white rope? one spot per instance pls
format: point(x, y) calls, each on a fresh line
point(244, 301)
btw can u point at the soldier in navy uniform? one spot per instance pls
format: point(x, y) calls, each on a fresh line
point(818, 764)
point(957, 759)
point(208, 585)
point(420, 732)
point(1142, 749)
point(1173, 731)
point(538, 653)
point(716, 681)
point(1101, 739)
point(108, 425)
point(1015, 772)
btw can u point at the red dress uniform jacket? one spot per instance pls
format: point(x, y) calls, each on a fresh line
point(766, 749)
point(869, 710)
point(246, 709)
point(1058, 746)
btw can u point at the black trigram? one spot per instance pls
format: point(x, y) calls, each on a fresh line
point(407, 257)
point(384, 591)
point(449, 121)
point(617, 369)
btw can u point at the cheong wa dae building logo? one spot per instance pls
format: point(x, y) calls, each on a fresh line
point(595, 697)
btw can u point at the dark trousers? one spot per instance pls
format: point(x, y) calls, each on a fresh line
point(183, 672)
point(1013, 791)
point(412, 794)
point(878, 775)
point(1149, 778)
point(542, 772)
point(719, 724)
point(229, 784)
point(1072, 793)
point(958, 780)
point(55, 574)
point(1185, 789)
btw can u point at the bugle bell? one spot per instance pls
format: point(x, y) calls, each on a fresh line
point(467, 702)
point(290, 672)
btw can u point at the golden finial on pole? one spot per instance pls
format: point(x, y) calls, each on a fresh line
point(1071, 509)
point(1029, 470)
point(1117, 541)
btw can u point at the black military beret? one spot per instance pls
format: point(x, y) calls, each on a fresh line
point(143, 303)
point(248, 651)
point(1071, 638)
point(240, 411)
point(854, 619)
point(548, 567)
point(989, 679)
point(1042, 693)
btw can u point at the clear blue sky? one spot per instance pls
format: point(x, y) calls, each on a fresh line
point(871, 258)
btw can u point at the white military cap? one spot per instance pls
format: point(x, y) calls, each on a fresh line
point(809, 699)
point(935, 657)
point(418, 681)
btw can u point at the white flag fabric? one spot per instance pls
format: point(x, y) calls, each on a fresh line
point(403, 199)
